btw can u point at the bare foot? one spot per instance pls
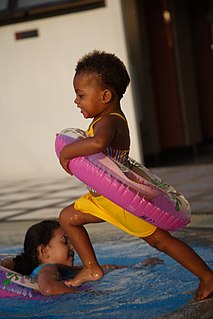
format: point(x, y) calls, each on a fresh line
point(204, 290)
point(85, 275)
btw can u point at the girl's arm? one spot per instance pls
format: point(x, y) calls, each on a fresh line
point(49, 282)
point(104, 133)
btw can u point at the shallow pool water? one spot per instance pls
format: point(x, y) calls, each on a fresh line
point(152, 284)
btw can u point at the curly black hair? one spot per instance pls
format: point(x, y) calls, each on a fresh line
point(36, 235)
point(110, 70)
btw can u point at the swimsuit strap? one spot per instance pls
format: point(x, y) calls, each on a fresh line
point(118, 114)
point(98, 119)
point(93, 123)
point(35, 272)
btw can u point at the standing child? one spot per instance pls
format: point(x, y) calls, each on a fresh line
point(100, 81)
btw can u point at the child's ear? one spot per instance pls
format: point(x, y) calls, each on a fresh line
point(106, 96)
point(43, 252)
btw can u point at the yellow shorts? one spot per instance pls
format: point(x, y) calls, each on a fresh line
point(103, 208)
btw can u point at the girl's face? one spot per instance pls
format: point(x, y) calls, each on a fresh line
point(89, 95)
point(58, 250)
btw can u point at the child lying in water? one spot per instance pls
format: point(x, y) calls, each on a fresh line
point(47, 256)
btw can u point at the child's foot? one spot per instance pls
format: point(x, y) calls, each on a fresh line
point(204, 290)
point(85, 275)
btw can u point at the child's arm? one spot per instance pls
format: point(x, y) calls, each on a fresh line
point(104, 133)
point(49, 282)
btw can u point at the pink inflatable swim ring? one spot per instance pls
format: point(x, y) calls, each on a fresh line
point(135, 189)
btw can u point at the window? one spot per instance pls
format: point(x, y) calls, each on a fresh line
point(13, 11)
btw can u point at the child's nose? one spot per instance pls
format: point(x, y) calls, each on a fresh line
point(76, 100)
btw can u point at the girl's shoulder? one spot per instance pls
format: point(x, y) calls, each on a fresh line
point(35, 272)
point(64, 272)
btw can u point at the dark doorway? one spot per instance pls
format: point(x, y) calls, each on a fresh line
point(161, 47)
point(201, 26)
point(170, 49)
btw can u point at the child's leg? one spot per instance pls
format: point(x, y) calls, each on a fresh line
point(187, 257)
point(72, 221)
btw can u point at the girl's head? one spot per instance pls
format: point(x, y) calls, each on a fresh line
point(44, 242)
point(108, 69)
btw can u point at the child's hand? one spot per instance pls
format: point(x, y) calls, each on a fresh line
point(68, 283)
point(64, 163)
point(107, 268)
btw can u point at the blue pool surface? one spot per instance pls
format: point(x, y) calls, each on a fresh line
point(151, 285)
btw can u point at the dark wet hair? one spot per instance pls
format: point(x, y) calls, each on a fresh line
point(36, 235)
point(110, 70)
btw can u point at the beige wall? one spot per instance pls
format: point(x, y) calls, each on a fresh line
point(36, 93)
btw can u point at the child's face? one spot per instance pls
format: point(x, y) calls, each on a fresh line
point(59, 250)
point(89, 95)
